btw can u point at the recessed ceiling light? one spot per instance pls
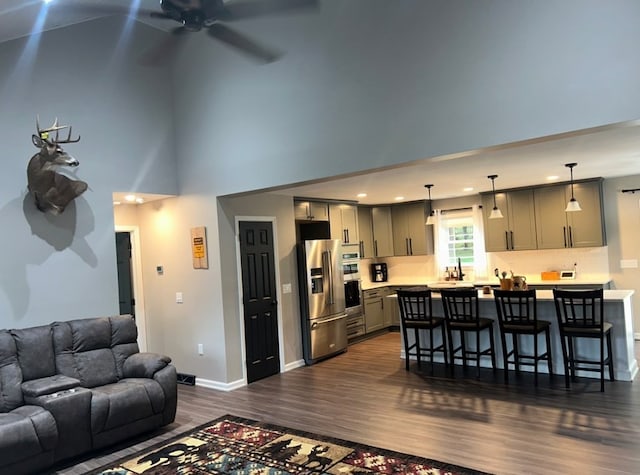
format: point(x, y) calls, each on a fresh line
point(552, 177)
point(399, 198)
point(47, 1)
point(130, 198)
point(116, 203)
point(139, 200)
point(362, 195)
point(468, 188)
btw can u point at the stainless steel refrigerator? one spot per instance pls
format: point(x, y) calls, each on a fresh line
point(322, 302)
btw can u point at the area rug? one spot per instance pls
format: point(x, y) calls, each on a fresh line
point(233, 445)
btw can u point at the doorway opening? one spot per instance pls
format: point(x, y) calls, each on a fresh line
point(130, 288)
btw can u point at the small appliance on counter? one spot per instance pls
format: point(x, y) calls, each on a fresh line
point(379, 272)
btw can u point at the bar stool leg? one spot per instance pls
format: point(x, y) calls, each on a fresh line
point(547, 335)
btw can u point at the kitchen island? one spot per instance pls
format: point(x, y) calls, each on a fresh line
point(617, 311)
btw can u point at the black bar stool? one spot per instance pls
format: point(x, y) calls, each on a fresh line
point(581, 315)
point(416, 312)
point(462, 314)
point(518, 315)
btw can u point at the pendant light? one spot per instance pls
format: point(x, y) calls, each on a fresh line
point(573, 204)
point(430, 219)
point(495, 212)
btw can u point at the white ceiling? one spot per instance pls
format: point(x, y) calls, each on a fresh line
point(608, 151)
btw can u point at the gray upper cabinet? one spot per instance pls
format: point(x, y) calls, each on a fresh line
point(382, 234)
point(311, 210)
point(365, 231)
point(410, 236)
point(343, 223)
point(557, 228)
point(516, 231)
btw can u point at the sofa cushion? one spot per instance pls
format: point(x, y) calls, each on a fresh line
point(26, 432)
point(124, 340)
point(35, 352)
point(83, 351)
point(118, 404)
point(10, 374)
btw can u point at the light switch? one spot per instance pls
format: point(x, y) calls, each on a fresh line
point(178, 297)
point(286, 288)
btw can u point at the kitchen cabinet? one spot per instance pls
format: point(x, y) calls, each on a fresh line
point(343, 223)
point(516, 231)
point(392, 310)
point(556, 228)
point(365, 231)
point(410, 236)
point(311, 210)
point(374, 308)
point(382, 231)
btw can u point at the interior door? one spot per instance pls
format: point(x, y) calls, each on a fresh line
point(259, 299)
point(125, 282)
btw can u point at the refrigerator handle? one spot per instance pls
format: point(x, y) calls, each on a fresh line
point(326, 257)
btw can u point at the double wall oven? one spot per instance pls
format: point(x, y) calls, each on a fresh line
point(352, 294)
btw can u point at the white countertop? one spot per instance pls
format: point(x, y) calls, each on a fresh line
point(479, 283)
point(548, 295)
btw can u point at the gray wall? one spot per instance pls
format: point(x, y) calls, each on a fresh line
point(58, 268)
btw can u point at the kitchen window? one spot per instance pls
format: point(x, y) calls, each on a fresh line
point(459, 235)
point(460, 241)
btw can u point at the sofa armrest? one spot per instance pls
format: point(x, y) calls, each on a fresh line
point(144, 365)
point(51, 384)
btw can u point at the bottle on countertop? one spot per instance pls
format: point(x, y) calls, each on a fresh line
point(454, 274)
point(447, 274)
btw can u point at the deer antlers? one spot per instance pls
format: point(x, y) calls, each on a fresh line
point(44, 133)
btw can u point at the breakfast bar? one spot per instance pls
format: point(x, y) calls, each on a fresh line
point(617, 311)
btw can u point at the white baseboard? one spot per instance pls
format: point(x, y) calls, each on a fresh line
point(293, 365)
point(210, 384)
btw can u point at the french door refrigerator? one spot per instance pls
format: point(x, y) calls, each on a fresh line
point(322, 302)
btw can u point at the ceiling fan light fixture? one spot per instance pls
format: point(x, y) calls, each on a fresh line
point(431, 220)
point(495, 212)
point(573, 204)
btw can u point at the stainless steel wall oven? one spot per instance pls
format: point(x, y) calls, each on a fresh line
point(352, 293)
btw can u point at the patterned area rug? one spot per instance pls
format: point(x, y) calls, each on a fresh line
point(233, 445)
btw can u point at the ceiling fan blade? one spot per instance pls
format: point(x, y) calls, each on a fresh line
point(248, 9)
point(242, 43)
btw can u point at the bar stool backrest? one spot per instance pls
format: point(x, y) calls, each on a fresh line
point(579, 308)
point(516, 307)
point(460, 305)
point(415, 305)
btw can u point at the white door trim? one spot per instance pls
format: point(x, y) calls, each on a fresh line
point(138, 287)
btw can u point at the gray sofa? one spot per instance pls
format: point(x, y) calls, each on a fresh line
point(71, 387)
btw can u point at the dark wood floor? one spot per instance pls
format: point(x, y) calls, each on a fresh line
point(366, 395)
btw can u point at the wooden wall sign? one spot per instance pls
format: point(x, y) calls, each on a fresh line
point(199, 247)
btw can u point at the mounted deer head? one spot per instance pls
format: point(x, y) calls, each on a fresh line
point(51, 190)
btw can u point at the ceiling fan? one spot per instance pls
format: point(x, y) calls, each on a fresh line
point(210, 15)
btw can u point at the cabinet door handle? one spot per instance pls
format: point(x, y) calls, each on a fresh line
point(382, 303)
point(375, 247)
point(506, 240)
point(512, 246)
point(347, 233)
point(361, 249)
point(410, 247)
point(570, 236)
point(564, 231)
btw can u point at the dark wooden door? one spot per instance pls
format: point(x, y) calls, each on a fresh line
point(125, 282)
point(259, 299)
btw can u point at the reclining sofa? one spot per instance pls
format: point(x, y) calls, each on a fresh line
point(71, 387)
